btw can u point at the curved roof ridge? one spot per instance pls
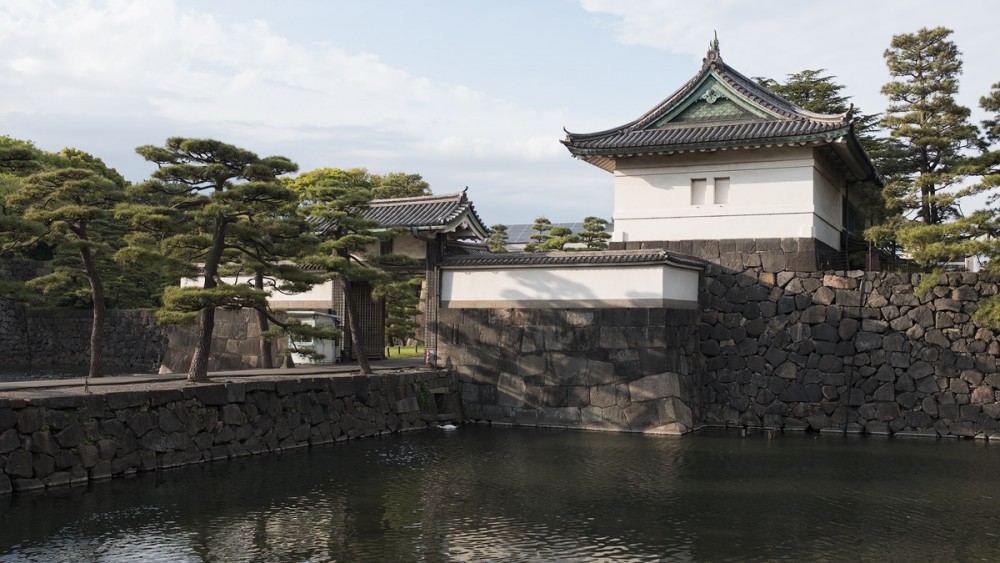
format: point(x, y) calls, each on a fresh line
point(761, 94)
point(665, 103)
point(746, 86)
point(433, 198)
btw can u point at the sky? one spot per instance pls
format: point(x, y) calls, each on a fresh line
point(466, 93)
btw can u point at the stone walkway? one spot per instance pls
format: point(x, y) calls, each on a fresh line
point(349, 368)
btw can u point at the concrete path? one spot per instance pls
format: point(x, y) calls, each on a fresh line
point(348, 368)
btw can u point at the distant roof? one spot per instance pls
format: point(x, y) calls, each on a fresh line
point(601, 257)
point(448, 213)
point(519, 233)
point(719, 108)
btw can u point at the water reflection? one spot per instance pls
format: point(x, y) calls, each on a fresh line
point(482, 494)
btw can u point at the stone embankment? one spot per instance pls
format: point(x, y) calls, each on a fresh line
point(60, 439)
point(634, 370)
point(47, 337)
point(849, 351)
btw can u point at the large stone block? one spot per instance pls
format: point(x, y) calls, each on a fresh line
point(674, 410)
point(655, 386)
point(510, 391)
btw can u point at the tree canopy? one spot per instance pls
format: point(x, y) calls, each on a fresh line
point(216, 198)
point(497, 241)
point(933, 135)
point(333, 200)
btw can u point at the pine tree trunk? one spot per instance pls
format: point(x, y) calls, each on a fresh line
point(96, 368)
point(352, 323)
point(266, 360)
point(198, 371)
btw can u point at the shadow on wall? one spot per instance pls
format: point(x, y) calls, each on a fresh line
point(545, 283)
point(848, 351)
point(600, 369)
point(235, 344)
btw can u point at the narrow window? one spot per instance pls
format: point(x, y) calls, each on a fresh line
point(698, 189)
point(721, 191)
point(385, 247)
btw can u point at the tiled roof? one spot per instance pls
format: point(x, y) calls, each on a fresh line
point(603, 257)
point(424, 211)
point(690, 119)
point(686, 136)
point(445, 212)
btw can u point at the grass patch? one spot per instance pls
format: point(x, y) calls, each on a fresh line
point(404, 351)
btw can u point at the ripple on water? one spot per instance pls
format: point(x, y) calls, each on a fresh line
point(486, 494)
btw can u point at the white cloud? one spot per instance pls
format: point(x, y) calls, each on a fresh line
point(775, 38)
point(153, 60)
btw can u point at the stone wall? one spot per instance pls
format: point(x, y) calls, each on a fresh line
point(61, 337)
point(14, 350)
point(823, 351)
point(849, 351)
point(235, 344)
point(58, 440)
point(133, 341)
point(750, 255)
point(600, 369)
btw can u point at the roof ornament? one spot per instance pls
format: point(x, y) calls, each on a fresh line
point(713, 50)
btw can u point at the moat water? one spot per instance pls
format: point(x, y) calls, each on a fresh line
point(501, 494)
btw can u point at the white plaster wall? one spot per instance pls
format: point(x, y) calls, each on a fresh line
point(569, 286)
point(773, 193)
point(319, 296)
point(409, 245)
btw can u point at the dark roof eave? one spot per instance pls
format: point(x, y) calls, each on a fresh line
point(572, 259)
point(617, 152)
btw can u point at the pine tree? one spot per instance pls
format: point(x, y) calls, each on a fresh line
point(213, 195)
point(395, 185)
point(63, 205)
point(542, 226)
point(594, 233)
point(933, 131)
point(812, 90)
point(559, 237)
point(497, 241)
point(334, 200)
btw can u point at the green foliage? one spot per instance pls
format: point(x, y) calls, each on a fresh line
point(402, 301)
point(334, 200)
point(214, 204)
point(932, 131)
point(542, 226)
point(812, 90)
point(397, 185)
point(559, 237)
point(497, 241)
point(594, 233)
point(424, 396)
point(925, 117)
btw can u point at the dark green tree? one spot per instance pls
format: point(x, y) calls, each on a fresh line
point(497, 241)
point(212, 194)
point(559, 237)
point(402, 305)
point(594, 233)
point(811, 89)
point(542, 226)
point(61, 207)
point(334, 201)
point(934, 132)
point(398, 184)
point(987, 167)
